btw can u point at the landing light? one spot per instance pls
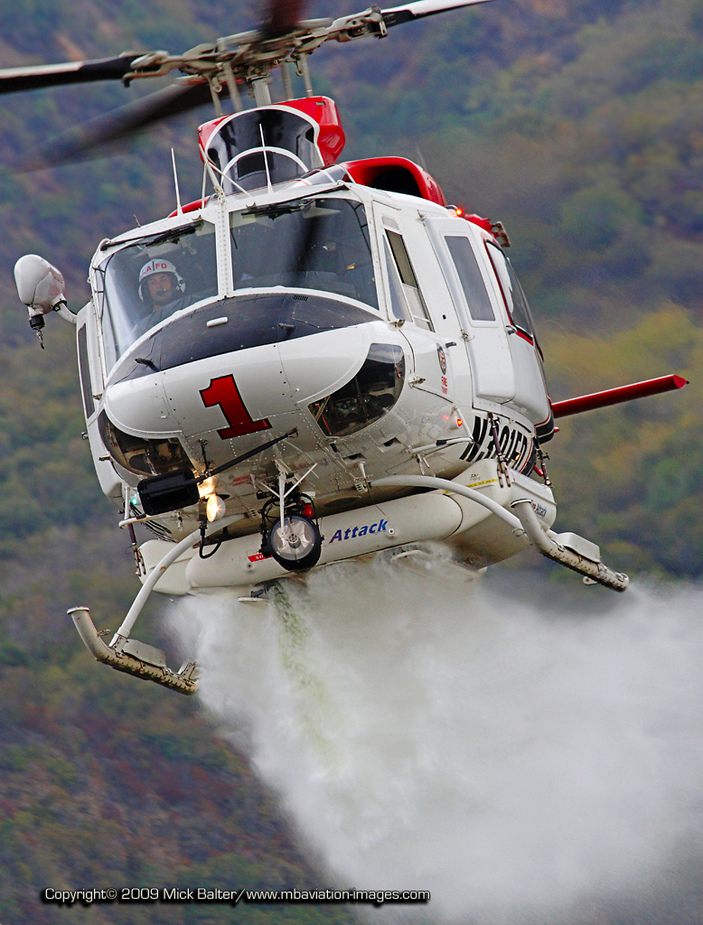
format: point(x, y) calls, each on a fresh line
point(215, 508)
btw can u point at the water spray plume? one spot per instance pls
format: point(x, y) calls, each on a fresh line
point(523, 764)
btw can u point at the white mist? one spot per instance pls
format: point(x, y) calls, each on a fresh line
point(520, 764)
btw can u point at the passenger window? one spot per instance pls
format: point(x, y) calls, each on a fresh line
point(467, 268)
point(515, 300)
point(411, 290)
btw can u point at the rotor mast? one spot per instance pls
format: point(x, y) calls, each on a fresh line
point(248, 58)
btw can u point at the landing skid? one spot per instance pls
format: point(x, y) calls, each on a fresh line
point(567, 549)
point(130, 655)
point(134, 657)
point(146, 661)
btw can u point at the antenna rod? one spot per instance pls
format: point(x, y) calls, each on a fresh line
point(266, 160)
point(179, 209)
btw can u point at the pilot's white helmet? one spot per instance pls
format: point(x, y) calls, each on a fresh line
point(159, 265)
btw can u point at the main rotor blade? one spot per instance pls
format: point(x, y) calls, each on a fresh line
point(409, 11)
point(15, 79)
point(282, 35)
point(282, 18)
point(81, 141)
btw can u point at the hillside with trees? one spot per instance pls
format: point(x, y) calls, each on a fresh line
point(579, 124)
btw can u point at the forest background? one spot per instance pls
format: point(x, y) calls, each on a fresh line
point(578, 124)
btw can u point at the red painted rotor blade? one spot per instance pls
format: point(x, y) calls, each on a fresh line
point(624, 393)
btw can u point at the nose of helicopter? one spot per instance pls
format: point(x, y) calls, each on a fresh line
point(240, 366)
point(260, 388)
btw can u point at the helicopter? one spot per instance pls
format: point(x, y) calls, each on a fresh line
point(318, 360)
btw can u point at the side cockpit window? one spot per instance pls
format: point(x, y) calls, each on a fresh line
point(399, 307)
point(143, 457)
point(84, 373)
point(409, 289)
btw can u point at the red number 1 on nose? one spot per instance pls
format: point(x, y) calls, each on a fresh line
point(224, 392)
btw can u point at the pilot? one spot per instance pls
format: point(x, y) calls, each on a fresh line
point(161, 284)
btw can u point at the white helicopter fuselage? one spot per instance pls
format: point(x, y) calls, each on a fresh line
point(393, 370)
point(319, 361)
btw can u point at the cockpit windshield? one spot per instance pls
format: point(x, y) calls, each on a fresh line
point(151, 279)
point(320, 243)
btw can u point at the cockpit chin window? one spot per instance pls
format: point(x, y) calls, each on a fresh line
point(143, 457)
point(320, 244)
point(370, 394)
point(151, 279)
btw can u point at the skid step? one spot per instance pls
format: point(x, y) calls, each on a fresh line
point(134, 657)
